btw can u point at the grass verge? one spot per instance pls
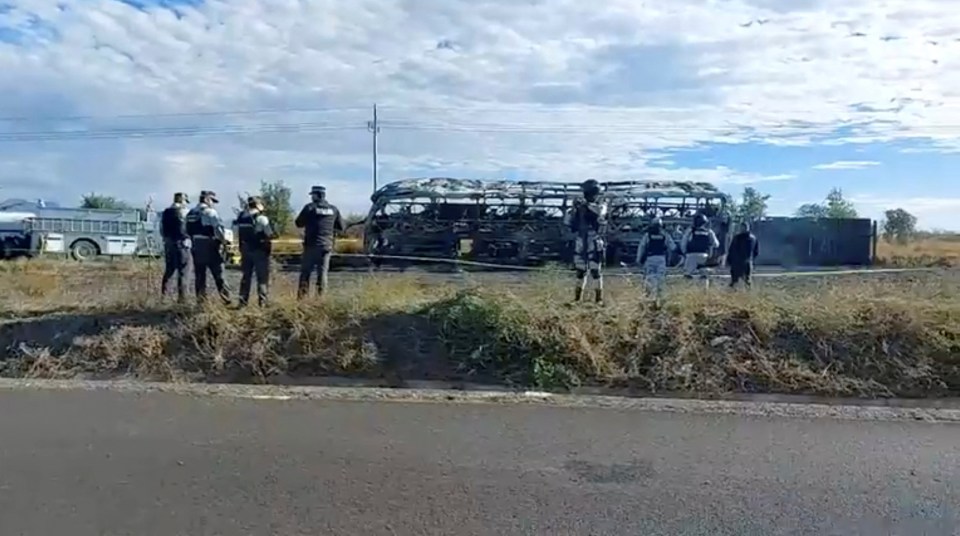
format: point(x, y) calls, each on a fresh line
point(880, 336)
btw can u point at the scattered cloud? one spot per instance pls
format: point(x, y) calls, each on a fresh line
point(164, 95)
point(847, 164)
point(922, 207)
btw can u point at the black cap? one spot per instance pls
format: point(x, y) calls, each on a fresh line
point(317, 190)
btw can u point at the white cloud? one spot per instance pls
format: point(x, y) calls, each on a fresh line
point(548, 89)
point(847, 164)
point(922, 207)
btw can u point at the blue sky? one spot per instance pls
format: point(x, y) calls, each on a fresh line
point(790, 97)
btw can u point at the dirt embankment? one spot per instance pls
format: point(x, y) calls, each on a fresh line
point(892, 336)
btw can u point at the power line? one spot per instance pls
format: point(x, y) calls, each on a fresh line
point(566, 129)
point(173, 132)
point(212, 113)
point(458, 109)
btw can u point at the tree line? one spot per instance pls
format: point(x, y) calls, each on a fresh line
point(898, 225)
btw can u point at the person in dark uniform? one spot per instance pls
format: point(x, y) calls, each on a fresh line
point(655, 246)
point(207, 234)
point(254, 234)
point(176, 245)
point(744, 249)
point(587, 221)
point(320, 222)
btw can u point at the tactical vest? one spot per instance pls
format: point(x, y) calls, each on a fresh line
point(173, 224)
point(245, 230)
point(700, 241)
point(248, 237)
point(586, 220)
point(195, 225)
point(656, 244)
point(319, 228)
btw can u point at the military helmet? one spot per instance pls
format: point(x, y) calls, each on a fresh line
point(699, 220)
point(656, 222)
point(590, 188)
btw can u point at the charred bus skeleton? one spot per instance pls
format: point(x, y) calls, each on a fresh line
point(632, 205)
point(501, 222)
point(522, 223)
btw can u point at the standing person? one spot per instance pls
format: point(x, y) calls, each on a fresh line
point(320, 222)
point(587, 221)
point(206, 232)
point(254, 233)
point(744, 249)
point(176, 244)
point(655, 246)
point(697, 245)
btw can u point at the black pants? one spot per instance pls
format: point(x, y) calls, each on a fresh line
point(741, 271)
point(207, 256)
point(313, 259)
point(254, 263)
point(176, 259)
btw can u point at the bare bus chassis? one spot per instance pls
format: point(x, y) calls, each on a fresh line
point(519, 223)
point(632, 204)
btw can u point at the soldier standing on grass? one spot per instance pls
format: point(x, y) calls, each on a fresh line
point(697, 245)
point(254, 233)
point(587, 220)
point(176, 244)
point(207, 234)
point(655, 246)
point(320, 221)
point(744, 249)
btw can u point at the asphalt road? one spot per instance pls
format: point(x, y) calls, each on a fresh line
point(99, 462)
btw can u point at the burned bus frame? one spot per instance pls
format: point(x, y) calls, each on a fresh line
point(503, 222)
point(521, 222)
point(633, 204)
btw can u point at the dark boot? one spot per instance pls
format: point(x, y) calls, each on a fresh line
point(578, 294)
point(598, 295)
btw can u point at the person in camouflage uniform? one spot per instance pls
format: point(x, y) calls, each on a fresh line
point(587, 221)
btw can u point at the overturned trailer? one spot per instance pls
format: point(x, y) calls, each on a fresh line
point(633, 204)
point(521, 223)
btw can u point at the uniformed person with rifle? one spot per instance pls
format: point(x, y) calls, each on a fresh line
point(255, 235)
point(176, 244)
point(655, 248)
point(587, 221)
point(320, 222)
point(206, 231)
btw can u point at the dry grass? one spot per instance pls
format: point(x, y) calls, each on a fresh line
point(932, 252)
point(875, 336)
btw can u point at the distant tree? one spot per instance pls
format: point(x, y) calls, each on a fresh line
point(811, 210)
point(93, 200)
point(752, 205)
point(276, 205)
point(838, 207)
point(835, 206)
point(899, 225)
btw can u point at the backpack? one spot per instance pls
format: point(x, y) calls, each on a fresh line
point(172, 224)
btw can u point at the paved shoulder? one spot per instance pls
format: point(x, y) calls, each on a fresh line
point(100, 462)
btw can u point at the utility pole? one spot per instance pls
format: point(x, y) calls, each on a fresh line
point(374, 127)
